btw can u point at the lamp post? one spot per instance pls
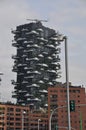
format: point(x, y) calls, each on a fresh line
point(67, 82)
point(38, 123)
point(61, 39)
point(64, 38)
point(23, 112)
point(52, 115)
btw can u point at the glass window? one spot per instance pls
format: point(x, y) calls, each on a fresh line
point(10, 109)
point(18, 109)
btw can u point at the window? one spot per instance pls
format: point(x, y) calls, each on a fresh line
point(8, 123)
point(10, 118)
point(2, 108)
point(54, 96)
point(18, 119)
point(61, 90)
point(10, 109)
point(18, 109)
point(78, 91)
point(18, 124)
point(85, 121)
point(74, 91)
point(18, 114)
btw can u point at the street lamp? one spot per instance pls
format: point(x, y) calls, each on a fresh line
point(62, 38)
point(23, 112)
point(52, 115)
point(38, 123)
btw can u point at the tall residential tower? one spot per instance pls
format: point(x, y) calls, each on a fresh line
point(36, 63)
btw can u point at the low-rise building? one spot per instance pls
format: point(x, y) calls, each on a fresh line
point(57, 104)
point(14, 117)
point(38, 120)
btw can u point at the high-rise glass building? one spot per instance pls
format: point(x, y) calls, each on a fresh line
point(36, 63)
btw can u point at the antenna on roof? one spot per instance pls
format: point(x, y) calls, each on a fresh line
point(36, 20)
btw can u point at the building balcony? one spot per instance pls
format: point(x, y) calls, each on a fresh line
point(33, 32)
point(20, 74)
point(51, 46)
point(42, 39)
point(15, 57)
point(42, 65)
point(33, 85)
point(40, 56)
point(26, 68)
point(36, 100)
point(49, 58)
point(29, 99)
point(24, 55)
point(46, 78)
point(52, 71)
point(54, 63)
point(15, 44)
point(41, 82)
point(14, 96)
point(22, 91)
point(46, 105)
point(33, 46)
point(20, 48)
point(54, 38)
point(21, 65)
point(29, 77)
point(21, 39)
point(15, 31)
point(30, 50)
point(28, 42)
point(24, 30)
point(43, 91)
point(33, 72)
point(28, 95)
point(15, 69)
point(25, 82)
point(45, 53)
point(40, 30)
point(14, 82)
point(50, 83)
point(32, 59)
point(58, 50)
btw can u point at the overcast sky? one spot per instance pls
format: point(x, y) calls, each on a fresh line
point(66, 16)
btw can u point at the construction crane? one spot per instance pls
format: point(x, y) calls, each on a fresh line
point(36, 20)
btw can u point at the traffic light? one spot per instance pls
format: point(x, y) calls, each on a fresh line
point(56, 127)
point(72, 105)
